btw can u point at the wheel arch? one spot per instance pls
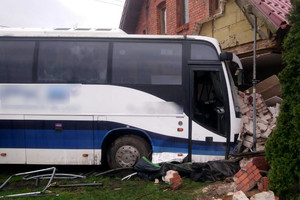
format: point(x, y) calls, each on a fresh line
point(112, 135)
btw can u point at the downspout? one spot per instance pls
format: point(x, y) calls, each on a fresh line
point(222, 10)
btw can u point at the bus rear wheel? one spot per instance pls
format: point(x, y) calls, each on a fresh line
point(125, 151)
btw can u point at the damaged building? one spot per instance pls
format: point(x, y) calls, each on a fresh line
point(231, 22)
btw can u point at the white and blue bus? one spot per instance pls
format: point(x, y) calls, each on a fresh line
point(85, 97)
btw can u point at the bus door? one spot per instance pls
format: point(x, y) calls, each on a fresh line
point(209, 114)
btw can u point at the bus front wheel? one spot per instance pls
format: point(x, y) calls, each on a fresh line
point(125, 151)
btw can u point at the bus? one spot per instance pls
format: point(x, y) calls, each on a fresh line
point(94, 96)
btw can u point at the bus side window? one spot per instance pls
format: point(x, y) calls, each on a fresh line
point(72, 62)
point(16, 61)
point(147, 63)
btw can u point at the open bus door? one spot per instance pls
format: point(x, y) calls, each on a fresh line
point(209, 121)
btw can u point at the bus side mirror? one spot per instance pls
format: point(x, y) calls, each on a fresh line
point(231, 57)
point(226, 56)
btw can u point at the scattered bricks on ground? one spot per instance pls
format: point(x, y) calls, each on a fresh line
point(247, 178)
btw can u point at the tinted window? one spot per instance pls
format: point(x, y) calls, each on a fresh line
point(72, 62)
point(16, 61)
point(147, 63)
point(203, 52)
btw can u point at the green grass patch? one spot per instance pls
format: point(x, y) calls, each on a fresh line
point(113, 188)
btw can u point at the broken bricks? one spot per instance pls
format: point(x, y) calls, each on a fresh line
point(247, 178)
point(172, 177)
point(265, 121)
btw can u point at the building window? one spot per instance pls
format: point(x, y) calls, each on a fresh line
point(214, 6)
point(183, 12)
point(162, 16)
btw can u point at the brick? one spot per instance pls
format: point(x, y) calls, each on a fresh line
point(265, 183)
point(241, 178)
point(174, 179)
point(237, 175)
point(250, 164)
point(256, 171)
point(252, 183)
point(260, 163)
point(251, 176)
point(176, 184)
point(257, 177)
point(260, 186)
point(245, 181)
point(239, 187)
point(251, 169)
point(197, 12)
point(245, 188)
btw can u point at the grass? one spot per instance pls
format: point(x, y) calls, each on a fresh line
point(113, 188)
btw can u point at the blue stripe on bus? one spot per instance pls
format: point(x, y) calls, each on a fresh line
point(83, 138)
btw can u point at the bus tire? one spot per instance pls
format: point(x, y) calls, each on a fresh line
point(126, 151)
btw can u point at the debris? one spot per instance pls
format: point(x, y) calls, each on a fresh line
point(269, 195)
point(239, 196)
point(212, 171)
point(156, 181)
point(53, 169)
point(268, 88)
point(113, 170)
point(129, 176)
point(260, 163)
point(81, 184)
point(172, 177)
point(265, 122)
point(56, 176)
point(247, 178)
point(273, 101)
point(263, 184)
point(225, 189)
point(206, 172)
point(169, 175)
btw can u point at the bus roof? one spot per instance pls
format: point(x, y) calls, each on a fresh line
point(94, 33)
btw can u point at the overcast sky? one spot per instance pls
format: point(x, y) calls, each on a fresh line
point(61, 13)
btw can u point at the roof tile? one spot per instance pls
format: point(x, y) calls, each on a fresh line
point(275, 10)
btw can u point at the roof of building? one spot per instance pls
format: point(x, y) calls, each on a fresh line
point(275, 10)
point(130, 15)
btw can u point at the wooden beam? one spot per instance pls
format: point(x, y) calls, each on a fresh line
point(246, 50)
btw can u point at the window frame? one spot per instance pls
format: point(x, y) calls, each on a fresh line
point(162, 18)
point(215, 6)
point(182, 12)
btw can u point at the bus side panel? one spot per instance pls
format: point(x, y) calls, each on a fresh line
point(59, 141)
point(12, 142)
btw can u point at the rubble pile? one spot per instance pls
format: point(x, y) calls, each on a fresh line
point(265, 121)
point(267, 110)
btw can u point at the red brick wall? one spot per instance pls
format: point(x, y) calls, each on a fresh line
point(198, 10)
